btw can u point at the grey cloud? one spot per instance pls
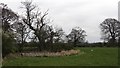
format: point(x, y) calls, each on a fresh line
point(87, 14)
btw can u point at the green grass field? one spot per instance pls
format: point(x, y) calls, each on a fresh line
point(97, 57)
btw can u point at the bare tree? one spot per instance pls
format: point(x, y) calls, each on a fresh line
point(51, 34)
point(36, 21)
point(77, 35)
point(54, 34)
point(59, 35)
point(110, 29)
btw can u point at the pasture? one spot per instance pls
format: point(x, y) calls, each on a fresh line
point(88, 56)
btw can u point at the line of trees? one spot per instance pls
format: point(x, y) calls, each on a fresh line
point(34, 26)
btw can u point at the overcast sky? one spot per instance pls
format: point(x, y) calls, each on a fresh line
point(87, 14)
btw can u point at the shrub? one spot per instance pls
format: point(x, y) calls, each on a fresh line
point(8, 45)
point(57, 47)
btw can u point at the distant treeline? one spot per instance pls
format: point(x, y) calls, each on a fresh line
point(65, 46)
point(98, 45)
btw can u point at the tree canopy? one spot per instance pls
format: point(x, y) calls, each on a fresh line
point(110, 29)
point(77, 35)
